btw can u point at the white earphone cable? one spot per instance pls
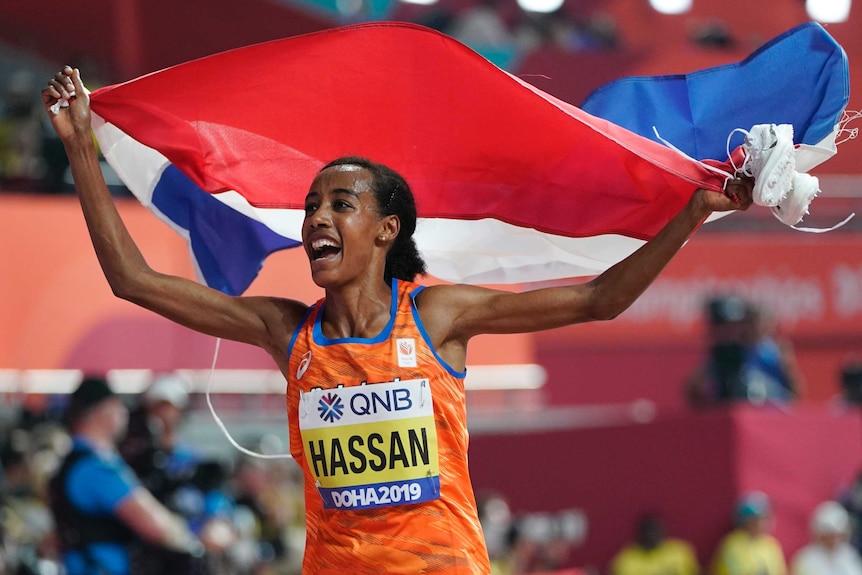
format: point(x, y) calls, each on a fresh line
point(221, 425)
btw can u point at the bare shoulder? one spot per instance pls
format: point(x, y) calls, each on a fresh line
point(280, 316)
point(438, 308)
point(280, 310)
point(439, 298)
point(443, 309)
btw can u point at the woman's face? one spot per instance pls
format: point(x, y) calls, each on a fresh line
point(341, 225)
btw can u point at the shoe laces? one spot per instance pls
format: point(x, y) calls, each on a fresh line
point(752, 149)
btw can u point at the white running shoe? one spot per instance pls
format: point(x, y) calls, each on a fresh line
point(803, 189)
point(770, 158)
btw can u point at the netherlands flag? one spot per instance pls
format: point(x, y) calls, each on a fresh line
point(512, 184)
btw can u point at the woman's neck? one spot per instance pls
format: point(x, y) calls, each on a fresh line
point(360, 311)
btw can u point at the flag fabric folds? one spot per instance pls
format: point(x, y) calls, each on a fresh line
point(800, 78)
point(512, 185)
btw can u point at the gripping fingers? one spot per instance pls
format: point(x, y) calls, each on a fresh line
point(730, 192)
point(64, 86)
point(740, 192)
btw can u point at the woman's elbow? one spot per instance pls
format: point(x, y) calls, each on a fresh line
point(129, 286)
point(605, 304)
point(604, 314)
point(606, 309)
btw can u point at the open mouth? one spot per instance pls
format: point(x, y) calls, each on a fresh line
point(324, 249)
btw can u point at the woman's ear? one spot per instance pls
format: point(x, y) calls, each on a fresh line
point(389, 228)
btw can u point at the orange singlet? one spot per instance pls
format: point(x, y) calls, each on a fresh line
point(379, 427)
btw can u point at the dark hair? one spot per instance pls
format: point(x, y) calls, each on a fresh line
point(728, 309)
point(393, 197)
point(92, 390)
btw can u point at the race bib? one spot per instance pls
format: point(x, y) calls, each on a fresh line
point(371, 445)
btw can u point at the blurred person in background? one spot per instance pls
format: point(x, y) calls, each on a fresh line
point(100, 509)
point(32, 444)
point(165, 467)
point(851, 382)
point(268, 505)
point(851, 498)
point(653, 553)
point(482, 25)
point(26, 524)
point(210, 508)
point(495, 516)
point(747, 361)
point(152, 445)
point(750, 549)
point(23, 167)
point(829, 552)
point(538, 543)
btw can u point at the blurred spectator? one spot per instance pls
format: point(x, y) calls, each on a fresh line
point(851, 382)
point(481, 25)
point(496, 519)
point(152, 446)
point(206, 503)
point(713, 33)
point(829, 552)
point(483, 28)
point(750, 549)
point(22, 166)
point(438, 17)
point(851, 498)
point(175, 475)
point(263, 512)
point(747, 361)
point(652, 553)
point(26, 525)
point(101, 511)
point(559, 29)
point(540, 543)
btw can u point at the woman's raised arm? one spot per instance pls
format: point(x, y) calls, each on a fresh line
point(266, 322)
point(453, 314)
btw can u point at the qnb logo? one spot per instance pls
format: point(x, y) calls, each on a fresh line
point(331, 407)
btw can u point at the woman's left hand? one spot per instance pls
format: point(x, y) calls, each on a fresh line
point(736, 196)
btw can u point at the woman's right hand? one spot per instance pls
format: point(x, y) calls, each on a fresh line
point(73, 119)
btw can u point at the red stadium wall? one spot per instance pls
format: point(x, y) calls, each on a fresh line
point(689, 468)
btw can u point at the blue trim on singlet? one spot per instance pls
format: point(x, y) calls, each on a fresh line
point(298, 329)
point(320, 339)
point(421, 327)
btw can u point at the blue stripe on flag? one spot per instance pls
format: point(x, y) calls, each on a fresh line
point(229, 247)
point(799, 78)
